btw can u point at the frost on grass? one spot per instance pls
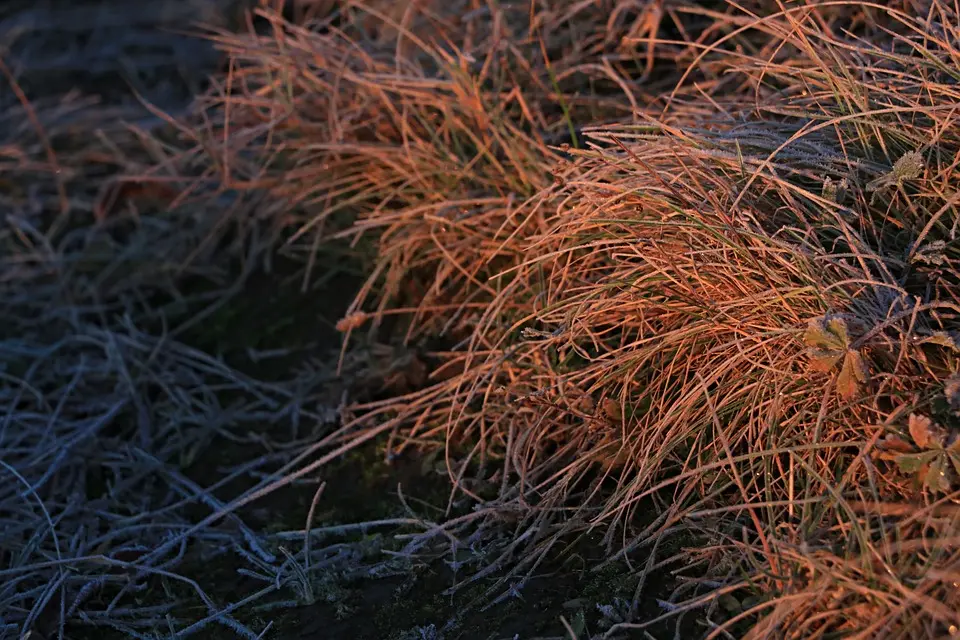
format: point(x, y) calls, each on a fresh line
point(113, 509)
point(683, 247)
point(731, 349)
point(835, 190)
point(427, 632)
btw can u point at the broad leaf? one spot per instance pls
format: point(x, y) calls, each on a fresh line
point(954, 447)
point(827, 334)
point(579, 625)
point(912, 463)
point(730, 603)
point(923, 431)
point(936, 478)
point(954, 460)
point(824, 361)
point(909, 166)
point(944, 339)
point(892, 442)
point(853, 374)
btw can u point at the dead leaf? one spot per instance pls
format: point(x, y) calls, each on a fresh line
point(585, 404)
point(944, 339)
point(908, 167)
point(829, 343)
point(612, 409)
point(926, 433)
point(893, 442)
point(824, 361)
point(921, 430)
point(853, 374)
point(931, 253)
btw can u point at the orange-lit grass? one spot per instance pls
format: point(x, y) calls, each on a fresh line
point(630, 320)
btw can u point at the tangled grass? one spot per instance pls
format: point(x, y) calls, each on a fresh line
point(693, 268)
point(108, 261)
point(704, 255)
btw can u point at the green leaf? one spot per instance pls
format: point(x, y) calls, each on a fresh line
point(428, 462)
point(936, 478)
point(829, 340)
point(954, 447)
point(911, 463)
point(827, 334)
point(752, 601)
point(579, 624)
point(853, 374)
point(730, 603)
point(575, 604)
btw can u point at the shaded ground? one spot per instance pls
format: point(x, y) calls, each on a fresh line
point(107, 49)
point(406, 600)
point(413, 599)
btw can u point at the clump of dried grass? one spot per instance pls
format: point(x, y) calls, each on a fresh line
point(730, 301)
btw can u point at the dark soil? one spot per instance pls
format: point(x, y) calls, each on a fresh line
point(416, 601)
point(365, 486)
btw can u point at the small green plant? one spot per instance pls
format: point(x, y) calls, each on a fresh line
point(908, 167)
point(829, 343)
point(835, 190)
point(933, 456)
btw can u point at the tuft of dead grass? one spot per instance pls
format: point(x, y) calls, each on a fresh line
point(689, 307)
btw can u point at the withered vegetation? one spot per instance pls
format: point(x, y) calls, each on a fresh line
point(694, 270)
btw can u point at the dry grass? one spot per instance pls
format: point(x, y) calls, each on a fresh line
point(700, 260)
point(108, 259)
point(729, 295)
